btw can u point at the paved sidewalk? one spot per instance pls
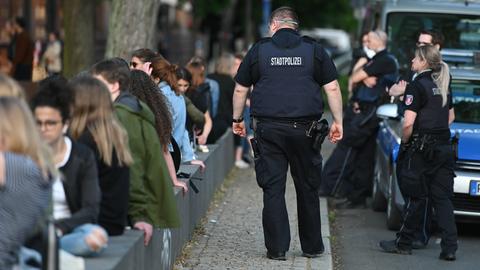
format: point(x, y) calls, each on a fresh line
point(232, 237)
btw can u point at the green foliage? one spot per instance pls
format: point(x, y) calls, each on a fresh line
point(322, 13)
point(204, 7)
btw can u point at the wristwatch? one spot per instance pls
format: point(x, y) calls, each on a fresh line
point(239, 120)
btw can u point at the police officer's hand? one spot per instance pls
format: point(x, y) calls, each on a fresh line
point(398, 89)
point(336, 133)
point(239, 129)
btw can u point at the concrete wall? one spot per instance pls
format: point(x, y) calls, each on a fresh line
point(127, 252)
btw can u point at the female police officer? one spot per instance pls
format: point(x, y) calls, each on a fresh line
point(426, 159)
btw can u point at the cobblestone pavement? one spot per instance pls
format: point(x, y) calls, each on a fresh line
point(232, 237)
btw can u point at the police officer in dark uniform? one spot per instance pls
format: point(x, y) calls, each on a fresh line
point(435, 38)
point(426, 159)
point(350, 167)
point(287, 72)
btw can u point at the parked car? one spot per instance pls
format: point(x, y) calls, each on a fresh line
point(466, 200)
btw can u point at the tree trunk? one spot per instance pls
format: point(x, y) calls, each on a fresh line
point(226, 34)
point(132, 26)
point(79, 42)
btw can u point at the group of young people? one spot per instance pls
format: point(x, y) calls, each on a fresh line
point(101, 151)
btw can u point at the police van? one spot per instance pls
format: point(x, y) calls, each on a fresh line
point(465, 88)
point(458, 21)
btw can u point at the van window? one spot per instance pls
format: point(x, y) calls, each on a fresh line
point(460, 31)
point(466, 101)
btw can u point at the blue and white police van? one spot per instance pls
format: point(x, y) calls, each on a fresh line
point(465, 87)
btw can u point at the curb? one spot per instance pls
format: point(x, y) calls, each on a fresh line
point(326, 262)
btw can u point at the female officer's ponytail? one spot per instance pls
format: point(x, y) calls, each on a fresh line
point(440, 70)
point(441, 77)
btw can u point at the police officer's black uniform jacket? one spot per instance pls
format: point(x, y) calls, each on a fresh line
point(384, 66)
point(287, 72)
point(425, 166)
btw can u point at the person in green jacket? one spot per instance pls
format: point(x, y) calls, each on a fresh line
point(151, 202)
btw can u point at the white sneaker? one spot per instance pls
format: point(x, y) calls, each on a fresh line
point(241, 164)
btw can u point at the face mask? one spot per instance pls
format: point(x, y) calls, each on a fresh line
point(370, 53)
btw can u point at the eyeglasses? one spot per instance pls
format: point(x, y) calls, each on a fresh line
point(48, 123)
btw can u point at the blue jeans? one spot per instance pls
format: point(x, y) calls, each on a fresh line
point(74, 242)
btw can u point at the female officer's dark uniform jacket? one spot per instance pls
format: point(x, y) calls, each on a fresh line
point(425, 168)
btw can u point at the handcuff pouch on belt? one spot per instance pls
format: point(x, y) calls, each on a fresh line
point(319, 131)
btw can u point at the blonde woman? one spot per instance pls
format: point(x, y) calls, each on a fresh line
point(426, 172)
point(94, 124)
point(10, 88)
point(25, 170)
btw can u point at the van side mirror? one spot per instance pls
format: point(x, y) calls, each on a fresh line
point(388, 111)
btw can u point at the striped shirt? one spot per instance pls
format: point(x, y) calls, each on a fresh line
point(24, 199)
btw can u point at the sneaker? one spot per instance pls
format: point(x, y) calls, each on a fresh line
point(241, 164)
point(391, 247)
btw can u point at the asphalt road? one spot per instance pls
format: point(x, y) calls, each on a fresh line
point(356, 234)
point(360, 230)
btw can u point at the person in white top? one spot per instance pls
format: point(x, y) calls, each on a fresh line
point(52, 57)
point(76, 195)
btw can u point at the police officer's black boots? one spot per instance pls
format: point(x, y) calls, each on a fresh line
point(279, 256)
point(392, 247)
point(447, 256)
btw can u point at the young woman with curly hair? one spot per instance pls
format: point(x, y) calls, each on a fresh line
point(142, 86)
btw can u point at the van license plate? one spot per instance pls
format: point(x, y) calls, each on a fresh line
point(475, 188)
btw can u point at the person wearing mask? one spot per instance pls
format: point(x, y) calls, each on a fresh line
point(426, 162)
point(76, 196)
point(349, 169)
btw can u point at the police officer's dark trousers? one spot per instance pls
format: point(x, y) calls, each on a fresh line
point(422, 178)
point(281, 144)
point(349, 169)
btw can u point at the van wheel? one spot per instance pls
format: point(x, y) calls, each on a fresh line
point(379, 203)
point(394, 216)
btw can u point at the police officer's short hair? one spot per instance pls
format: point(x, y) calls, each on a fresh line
point(285, 15)
point(437, 36)
point(381, 35)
